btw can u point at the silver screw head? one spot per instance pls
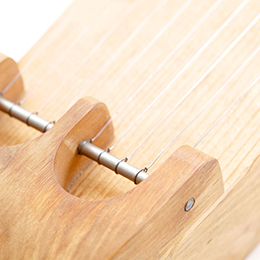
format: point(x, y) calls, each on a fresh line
point(189, 204)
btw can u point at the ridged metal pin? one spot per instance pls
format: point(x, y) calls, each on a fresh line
point(31, 119)
point(113, 163)
point(85, 148)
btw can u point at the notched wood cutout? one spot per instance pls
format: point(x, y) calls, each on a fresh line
point(40, 220)
point(39, 214)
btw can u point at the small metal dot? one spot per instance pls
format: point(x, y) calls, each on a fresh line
point(189, 204)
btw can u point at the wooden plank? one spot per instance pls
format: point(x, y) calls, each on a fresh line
point(112, 56)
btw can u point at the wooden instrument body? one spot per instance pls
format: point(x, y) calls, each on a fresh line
point(39, 219)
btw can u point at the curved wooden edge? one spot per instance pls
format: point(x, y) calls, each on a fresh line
point(137, 223)
point(58, 146)
point(188, 173)
point(231, 229)
point(82, 122)
point(10, 75)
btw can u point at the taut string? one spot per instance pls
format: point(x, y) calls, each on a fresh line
point(41, 47)
point(208, 42)
point(202, 109)
point(89, 55)
point(170, 55)
point(126, 42)
point(228, 110)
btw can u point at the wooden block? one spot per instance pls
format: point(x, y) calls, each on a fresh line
point(40, 220)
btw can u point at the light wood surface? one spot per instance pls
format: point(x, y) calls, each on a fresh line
point(108, 49)
point(9, 70)
point(52, 224)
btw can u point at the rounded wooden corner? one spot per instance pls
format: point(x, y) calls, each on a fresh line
point(188, 176)
point(152, 212)
point(82, 122)
point(10, 79)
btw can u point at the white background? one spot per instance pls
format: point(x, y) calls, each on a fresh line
point(23, 22)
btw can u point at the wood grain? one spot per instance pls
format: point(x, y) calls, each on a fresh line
point(231, 229)
point(51, 223)
point(108, 49)
point(55, 61)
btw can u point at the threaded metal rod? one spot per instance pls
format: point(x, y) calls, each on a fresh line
point(85, 148)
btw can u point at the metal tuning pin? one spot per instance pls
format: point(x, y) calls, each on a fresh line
point(31, 119)
point(106, 159)
point(85, 148)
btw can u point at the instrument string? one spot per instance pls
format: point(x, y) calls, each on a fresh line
point(60, 59)
point(223, 115)
point(130, 65)
point(175, 49)
point(232, 45)
point(208, 42)
point(202, 109)
point(149, 45)
point(40, 49)
point(89, 55)
point(125, 43)
point(228, 110)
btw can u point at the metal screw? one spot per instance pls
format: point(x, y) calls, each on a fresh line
point(189, 204)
